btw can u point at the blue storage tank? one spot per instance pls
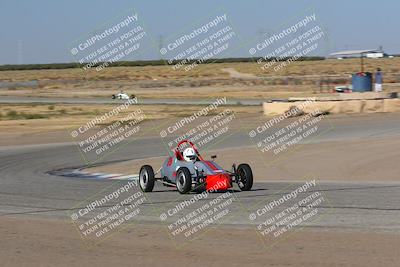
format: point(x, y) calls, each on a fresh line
point(362, 81)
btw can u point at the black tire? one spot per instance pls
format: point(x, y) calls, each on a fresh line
point(183, 180)
point(133, 96)
point(146, 178)
point(245, 177)
point(113, 97)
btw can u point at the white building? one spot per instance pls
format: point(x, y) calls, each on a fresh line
point(375, 55)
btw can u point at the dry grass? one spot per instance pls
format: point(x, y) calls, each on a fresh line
point(112, 73)
point(298, 79)
point(47, 118)
point(324, 67)
point(209, 71)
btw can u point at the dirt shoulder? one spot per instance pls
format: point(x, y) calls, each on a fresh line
point(41, 243)
point(24, 124)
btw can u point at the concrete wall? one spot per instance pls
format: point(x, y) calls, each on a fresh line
point(334, 107)
point(347, 96)
point(391, 105)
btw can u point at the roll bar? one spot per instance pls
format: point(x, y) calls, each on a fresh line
point(178, 152)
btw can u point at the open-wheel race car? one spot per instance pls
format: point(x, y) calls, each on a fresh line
point(187, 170)
point(123, 96)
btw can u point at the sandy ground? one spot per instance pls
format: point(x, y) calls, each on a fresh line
point(57, 126)
point(41, 242)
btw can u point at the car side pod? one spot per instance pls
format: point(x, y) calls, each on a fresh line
point(220, 181)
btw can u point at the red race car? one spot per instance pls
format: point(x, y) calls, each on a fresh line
point(187, 170)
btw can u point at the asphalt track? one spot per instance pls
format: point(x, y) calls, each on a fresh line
point(102, 100)
point(27, 189)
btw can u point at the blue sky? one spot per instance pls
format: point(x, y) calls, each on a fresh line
point(38, 31)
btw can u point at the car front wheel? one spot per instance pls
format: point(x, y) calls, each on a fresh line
point(183, 180)
point(146, 178)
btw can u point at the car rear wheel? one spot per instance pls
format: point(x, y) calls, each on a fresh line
point(183, 180)
point(146, 178)
point(245, 177)
point(113, 97)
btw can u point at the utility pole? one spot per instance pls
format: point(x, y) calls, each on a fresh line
point(160, 44)
point(20, 58)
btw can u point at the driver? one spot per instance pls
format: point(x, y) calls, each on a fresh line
point(189, 155)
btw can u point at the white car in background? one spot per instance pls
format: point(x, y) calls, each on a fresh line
point(123, 96)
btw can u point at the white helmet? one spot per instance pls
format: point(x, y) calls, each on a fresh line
point(189, 154)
